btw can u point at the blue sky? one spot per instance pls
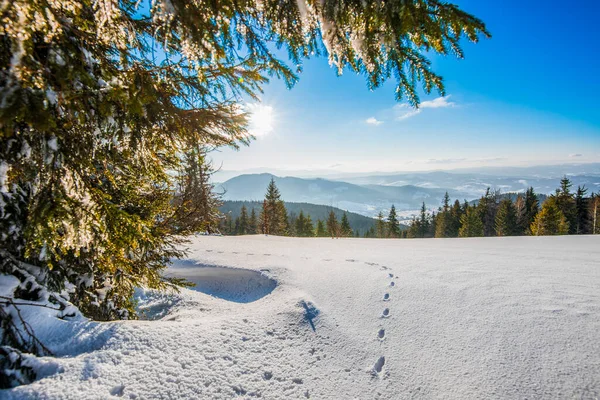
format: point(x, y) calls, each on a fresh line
point(528, 96)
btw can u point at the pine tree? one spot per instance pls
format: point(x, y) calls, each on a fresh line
point(487, 208)
point(321, 231)
point(304, 225)
point(253, 223)
point(230, 226)
point(582, 212)
point(446, 203)
point(265, 215)
point(414, 228)
point(274, 214)
point(392, 224)
point(522, 226)
point(381, 226)
point(299, 224)
point(284, 228)
point(345, 228)
point(244, 224)
point(194, 204)
point(420, 227)
point(424, 222)
point(370, 233)
point(333, 227)
point(550, 220)
point(506, 219)
point(532, 208)
point(595, 214)
point(471, 224)
point(309, 229)
point(565, 201)
point(445, 223)
point(455, 214)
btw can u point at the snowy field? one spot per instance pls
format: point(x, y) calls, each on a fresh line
point(486, 318)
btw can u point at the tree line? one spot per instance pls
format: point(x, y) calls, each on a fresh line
point(563, 213)
point(274, 219)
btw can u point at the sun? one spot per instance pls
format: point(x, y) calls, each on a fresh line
point(261, 119)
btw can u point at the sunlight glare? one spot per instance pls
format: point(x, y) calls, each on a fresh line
point(260, 118)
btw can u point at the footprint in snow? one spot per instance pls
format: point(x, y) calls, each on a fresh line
point(381, 334)
point(386, 313)
point(239, 390)
point(378, 367)
point(117, 390)
point(350, 260)
point(391, 275)
point(386, 297)
point(392, 283)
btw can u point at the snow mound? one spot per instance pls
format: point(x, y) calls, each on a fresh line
point(231, 284)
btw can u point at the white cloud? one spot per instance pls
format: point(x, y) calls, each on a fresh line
point(440, 102)
point(445, 160)
point(373, 121)
point(489, 159)
point(404, 111)
point(576, 155)
point(260, 119)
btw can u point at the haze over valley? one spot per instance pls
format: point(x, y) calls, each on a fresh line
point(367, 194)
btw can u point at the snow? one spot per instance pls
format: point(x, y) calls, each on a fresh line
point(348, 318)
point(4, 168)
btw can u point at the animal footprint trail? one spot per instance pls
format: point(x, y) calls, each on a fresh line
point(392, 283)
point(386, 313)
point(381, 334)
point(386, 297)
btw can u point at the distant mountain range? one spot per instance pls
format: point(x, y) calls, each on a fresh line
point(367, 195)
point(362, 199)
point(538, 171)
point(472, 185)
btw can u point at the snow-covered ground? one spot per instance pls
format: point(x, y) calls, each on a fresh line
point(350, 318)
